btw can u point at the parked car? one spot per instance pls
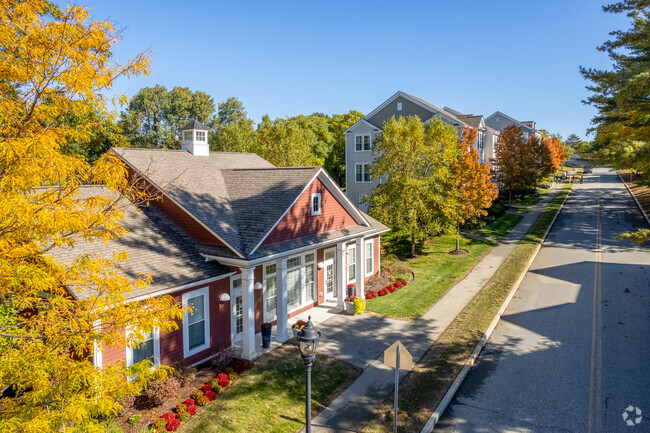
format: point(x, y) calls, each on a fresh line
point(587, 170)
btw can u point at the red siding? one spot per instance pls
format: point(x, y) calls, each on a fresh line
point(299, 222)
point(186, 222)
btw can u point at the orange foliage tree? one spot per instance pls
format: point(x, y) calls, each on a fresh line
point(514, 161)
point(476, 191)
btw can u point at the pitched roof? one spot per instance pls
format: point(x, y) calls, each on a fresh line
point(155, 245)
point(438, 110)
point(471, 120)
point(194, 124)
point(239, 197)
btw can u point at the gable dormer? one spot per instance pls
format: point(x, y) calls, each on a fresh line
point(194, 136)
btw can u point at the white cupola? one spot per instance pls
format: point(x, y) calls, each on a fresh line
point(195, 138)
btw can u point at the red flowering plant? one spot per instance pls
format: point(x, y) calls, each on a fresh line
point(211, 395)
point(397, 284)
point(299, 324)
point(173, 425)
point(350, 299)
point(382, 293)
point(206, 388)
point(191, 410)
point(168, 417)
point(369, 296)
point(223, 379)
point(188, 402)
point(239, 367)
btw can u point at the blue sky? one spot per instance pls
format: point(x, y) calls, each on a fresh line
point(286, 58)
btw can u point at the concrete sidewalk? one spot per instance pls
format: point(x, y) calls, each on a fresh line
point(361, 340)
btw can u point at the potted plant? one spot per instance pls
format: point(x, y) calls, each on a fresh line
point(266, 334)
point(297, 327)
point(349, 305)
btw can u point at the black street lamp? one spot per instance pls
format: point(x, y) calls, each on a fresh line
point(308, 339)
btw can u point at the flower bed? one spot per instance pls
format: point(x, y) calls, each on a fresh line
point(391, 288)
point(171, 421)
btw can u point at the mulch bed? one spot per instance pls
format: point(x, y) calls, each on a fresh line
point(642, 193)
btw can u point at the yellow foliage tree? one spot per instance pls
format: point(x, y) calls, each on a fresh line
point(54, 66)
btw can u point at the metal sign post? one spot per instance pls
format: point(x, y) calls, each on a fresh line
point(392, 357)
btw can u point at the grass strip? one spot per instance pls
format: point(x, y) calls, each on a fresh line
point(501, 226)
point(423, 389)
point(270, 396)
point(436, 270)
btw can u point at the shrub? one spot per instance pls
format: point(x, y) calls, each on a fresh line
point(180, 408)
point(159, 390)
point(159, 423)
point(183, 416)
point(239, 367)
point(223, 359)
point(173, 425)
point(191, 410)
point(202, 401)
point(223, 379)
point(211, 395)
point(188, 402)
point(126, 402)
point(232, 376)
point(196, 394)
point(182, 373)
point(214, 383)
point(134, 418)
point(206, 388)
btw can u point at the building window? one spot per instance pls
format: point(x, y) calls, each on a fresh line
point(352, 263)
point(200, 135)
point(148, 349)
point(301, 280)
point(362, 142)
point(362, 173)
point(315, 204)
point(187, 135)
point(399, 106)
point(369, 260)
point(196, 325)
point(270, 292)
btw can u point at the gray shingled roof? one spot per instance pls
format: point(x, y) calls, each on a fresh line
point(437, 109)
point(238, 196)
point(471, 120)
point(155, 245)
point(194, 124)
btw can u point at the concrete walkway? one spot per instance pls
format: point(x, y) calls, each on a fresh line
point(361, 340)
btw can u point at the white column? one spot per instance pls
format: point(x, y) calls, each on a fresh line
point(341, 278)
point(361, 267)
point(282, 333)
point(248, 305)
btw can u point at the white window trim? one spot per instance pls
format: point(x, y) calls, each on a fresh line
point(369, 142)
point(372, 256)
point(304, 300)
point(363, 172)
point(198, 140)
point(347, 264)
point(320, 203)
point(270, 317)
point(156, 349)
point(399, 106)
point(205, 292)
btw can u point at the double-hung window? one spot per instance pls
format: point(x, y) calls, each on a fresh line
point(148, 349)
point(362, 173)
point(315, 204)
point(352, 263)
point(200, 135)
point(369, 258)
point(196, 324)
point(187, 135)
point(362, 142)
point(270, 292)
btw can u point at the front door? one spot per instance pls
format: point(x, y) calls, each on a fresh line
point(330, 273)
point(237, 314)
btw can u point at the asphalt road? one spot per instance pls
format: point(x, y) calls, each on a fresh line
point(572, 351)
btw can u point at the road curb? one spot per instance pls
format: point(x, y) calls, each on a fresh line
point(449, 395)
point(634, 197)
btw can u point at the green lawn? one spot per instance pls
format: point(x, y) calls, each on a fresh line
point(501, 226)
point(435, 271)
point(270, 397)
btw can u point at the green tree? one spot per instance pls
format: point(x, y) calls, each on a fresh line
point(285, 143)
point(620, 95)
point(55, 65)
point(335, 161)
point(417, 197)
point(234, 131)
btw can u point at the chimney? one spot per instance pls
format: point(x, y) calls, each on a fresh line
point(195, 138)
